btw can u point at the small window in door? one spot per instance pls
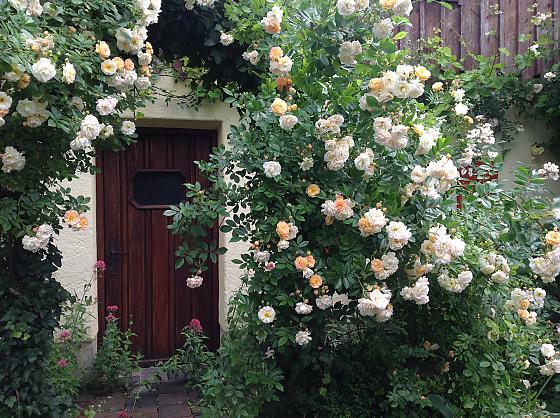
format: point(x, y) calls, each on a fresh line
point(157, 189)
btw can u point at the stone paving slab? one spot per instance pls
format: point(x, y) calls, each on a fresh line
point(170, 399)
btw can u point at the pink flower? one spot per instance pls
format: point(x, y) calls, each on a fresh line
point(110, 317)
point(271, 265)
point(195, 325)
point(100, 265)
point(64, 334)
point(123, 414)
point(113, 308)
point(62, 363)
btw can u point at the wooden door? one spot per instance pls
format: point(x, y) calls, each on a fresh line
point(133, 190)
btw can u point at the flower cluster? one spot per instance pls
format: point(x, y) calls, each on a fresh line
point(386, 266)
point(389, 135)
point(337, 152)
point(461, 105)
point(12, 160)
point(39, 240)
point(348, 52)
point(366, 162)
point(495, 266)
point(339, 209)
point(419, 292)
point(272, 22)
point(549, 171)
point(441, 246)
point(407, 82)
point(286, 232)
point(377, 304)
point(521, 301)
point(552, 365)
point(33, 111)
point(434, 180)
point(399, 7)
point(427, 138)
point(30, 7)
point(348, 7)
point(189, 4)
point(372, 222)
point(75, 220)
point(455, 284)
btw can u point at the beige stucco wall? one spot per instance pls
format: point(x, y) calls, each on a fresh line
point(79, 248)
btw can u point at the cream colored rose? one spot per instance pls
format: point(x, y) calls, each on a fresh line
point(279, 107)
point(553, 238)
point(283, 230)
point(387, 4)
point(437, 86)
point(312, 190)
point(422, 73)
point(102, 49)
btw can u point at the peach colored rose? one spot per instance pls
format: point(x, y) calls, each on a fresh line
point(279, 107)
point(310, 261)
point(276, 53)
point(312, 190)
point(128, 64)
point(365, 226)
point(553, 238)
point(119, 63)
point(387, 4)
point(523, 313)
point(523, 304)
point(377, 265)
point(283, 230)
point(315, 281)
point(83, 223)
point(102, 49)
point(71, 217)
point(301, 263)
point(376, 85)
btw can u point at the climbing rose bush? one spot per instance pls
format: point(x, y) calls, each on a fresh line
point(343, 177)
point(70, 72)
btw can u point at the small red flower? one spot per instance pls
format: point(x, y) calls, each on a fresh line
point(113, 308)
point(110, 317)
point(64, 334)
point(195, 325)
point(62, 363)
point(100, 265)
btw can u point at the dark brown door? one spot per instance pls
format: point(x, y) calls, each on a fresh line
point(134, 189)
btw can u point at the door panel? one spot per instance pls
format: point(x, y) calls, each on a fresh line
point(139, 250)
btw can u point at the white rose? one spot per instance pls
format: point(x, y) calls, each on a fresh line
point(303, 308)
point(303, 337)
point(194, 282)
point(272, 168)
point(499, 277)
point(402, 7)
point(346, 7)
point(90, 127)
point(287, 122)
point(80, 143)
point(32, 244)
point(226, 39)
point(43, 70)
point(144, 58)
point(383, 28)
point(106, 106)
point(68, 73)
point(5, 101)
point(283, 245)
point(461, 109)
point(12, 160)
point(548, 350)
point(128, 127)
point(266, 314)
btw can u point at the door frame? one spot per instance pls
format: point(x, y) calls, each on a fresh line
point(214, 333)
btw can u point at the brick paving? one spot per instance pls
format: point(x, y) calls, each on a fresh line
point(170, 399)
